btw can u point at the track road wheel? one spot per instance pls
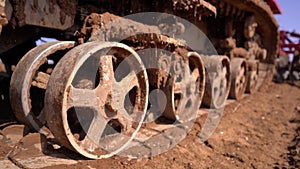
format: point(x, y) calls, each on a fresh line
point(253, 70)
point(186, 89)
point(97, 98)
point(218, 80)
point(29, 83)
point(239, 78)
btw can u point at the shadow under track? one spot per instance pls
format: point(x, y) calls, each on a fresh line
point(6, 115)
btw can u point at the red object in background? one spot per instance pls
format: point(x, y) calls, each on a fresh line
point(274, 6)
point(286, 44)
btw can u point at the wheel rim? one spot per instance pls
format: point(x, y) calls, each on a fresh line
point(217, 81)
point(239, 78)
point(23, 80)
point(186, 92)
point(106, 125)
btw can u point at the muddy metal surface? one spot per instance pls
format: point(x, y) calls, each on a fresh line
point(259, 131)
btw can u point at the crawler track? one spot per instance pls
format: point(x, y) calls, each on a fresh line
point(124, 84)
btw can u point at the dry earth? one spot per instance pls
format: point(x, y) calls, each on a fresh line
point(260, 131)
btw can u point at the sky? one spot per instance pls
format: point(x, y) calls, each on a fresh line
point(289, 20)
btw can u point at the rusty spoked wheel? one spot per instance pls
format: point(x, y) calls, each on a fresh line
point(253, 70)
point(97, 98)
point(239, 73)
point(29, 83)
point(185, 89)
point(218, 80)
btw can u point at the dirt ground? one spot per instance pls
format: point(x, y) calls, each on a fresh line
point(260, 131)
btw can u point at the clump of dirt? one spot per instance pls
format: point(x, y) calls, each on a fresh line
point(4, 150)
point(109, 27)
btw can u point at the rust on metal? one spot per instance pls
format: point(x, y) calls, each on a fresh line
point(218, 80)
point(40, 80)
point(26, 103)
point(56, 14)
point(239, 71)
point(108, 119)
point(253, 75)
point(4, 14)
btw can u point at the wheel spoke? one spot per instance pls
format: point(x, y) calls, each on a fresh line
point(120, 90)
point(186, 108)
point(220, 74)
point(178, 87)
point(223, 81)
point(241, 72)
point(125, 119)
point(181, 106)
point(128, 82)
point(216, 84)
point(96, 128)
point(186, 93)
point(83, 98)
point(106, 70)
point(194, 75)
point(242, 83)
point(224, 72)
point(240, 79)
point(253, 79)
